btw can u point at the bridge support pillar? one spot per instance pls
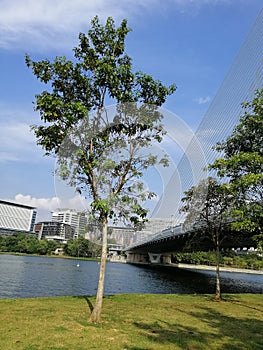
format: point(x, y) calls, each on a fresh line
point(137, 258)
point(155, 258)
point(167, 259)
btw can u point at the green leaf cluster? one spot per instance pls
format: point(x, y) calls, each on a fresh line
point(26, 243)
point(81, 247)
point(208, 210)
point(101, 152)
point(242, 166)
point(231, 259)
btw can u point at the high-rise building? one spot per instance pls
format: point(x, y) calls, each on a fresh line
point(16, 217)
point(57, 231)
point(77, 220)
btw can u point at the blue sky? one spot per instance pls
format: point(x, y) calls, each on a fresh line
point(186, 42)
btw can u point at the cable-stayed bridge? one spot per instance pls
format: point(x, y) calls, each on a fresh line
point(244, 77)
point(159, 247)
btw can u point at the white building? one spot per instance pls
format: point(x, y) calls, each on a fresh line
point(16, 217)
point(77, 220)
point(56, 231)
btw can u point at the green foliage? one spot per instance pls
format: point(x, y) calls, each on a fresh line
point(51, 246)
point(29, 244)
point(242, 164)
point(82, 247)
point(26, 243)
point(102, 156)
point(231, 259)
point(205, 258)
point(208, 206)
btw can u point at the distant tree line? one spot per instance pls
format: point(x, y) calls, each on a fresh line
point(29, 244)
point(26, 243)
point(82, 247)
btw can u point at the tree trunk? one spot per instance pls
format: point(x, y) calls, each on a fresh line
point(218, 291)
point(96, 312)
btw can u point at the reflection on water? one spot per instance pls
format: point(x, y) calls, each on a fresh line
point(25, 276)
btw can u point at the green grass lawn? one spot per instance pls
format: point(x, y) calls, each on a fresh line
point(133, 322)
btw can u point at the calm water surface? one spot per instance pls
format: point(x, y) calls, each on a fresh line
point(26, 276)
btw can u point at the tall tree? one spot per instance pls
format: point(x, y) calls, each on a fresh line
point(207, 206)
point(102, 152)
point(242, 164)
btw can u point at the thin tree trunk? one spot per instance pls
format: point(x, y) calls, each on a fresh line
point(218, 291)
point(96, 312)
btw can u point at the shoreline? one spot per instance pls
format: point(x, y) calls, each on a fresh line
point(213, 268)
point(178, 265)
point(201, 267)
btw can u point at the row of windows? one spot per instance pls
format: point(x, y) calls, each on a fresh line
point(11, 211)
point(16, 217)
point(15, 223)
point(77, 221)
point(55, 229)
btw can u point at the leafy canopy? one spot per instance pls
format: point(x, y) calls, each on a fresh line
point(207, 206)
point(242, 164)
point(208, 213)
point(102, 152)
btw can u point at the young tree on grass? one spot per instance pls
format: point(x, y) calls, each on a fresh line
point(102, 152)
point(208, 206)
point(242, 164)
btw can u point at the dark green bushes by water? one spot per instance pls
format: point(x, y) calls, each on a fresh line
point(29, 244)
point(231, 259)
point(26, 243)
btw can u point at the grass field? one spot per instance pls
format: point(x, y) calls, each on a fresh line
point(133, 322)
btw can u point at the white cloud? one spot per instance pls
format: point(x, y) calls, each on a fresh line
point(44, 206)
point(202, 100)
point(40, 203)
point(50, 204)
point(54, 23)
point(51, 23)
point(78, 202)
point(18, 143)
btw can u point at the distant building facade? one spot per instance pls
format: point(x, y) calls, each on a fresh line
point(77, 220)
point(124, 236)
point(94, 232)
point(152, 226)
point(56, 231)
point(16, 217)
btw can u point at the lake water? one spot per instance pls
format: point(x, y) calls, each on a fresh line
point(26, 276)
